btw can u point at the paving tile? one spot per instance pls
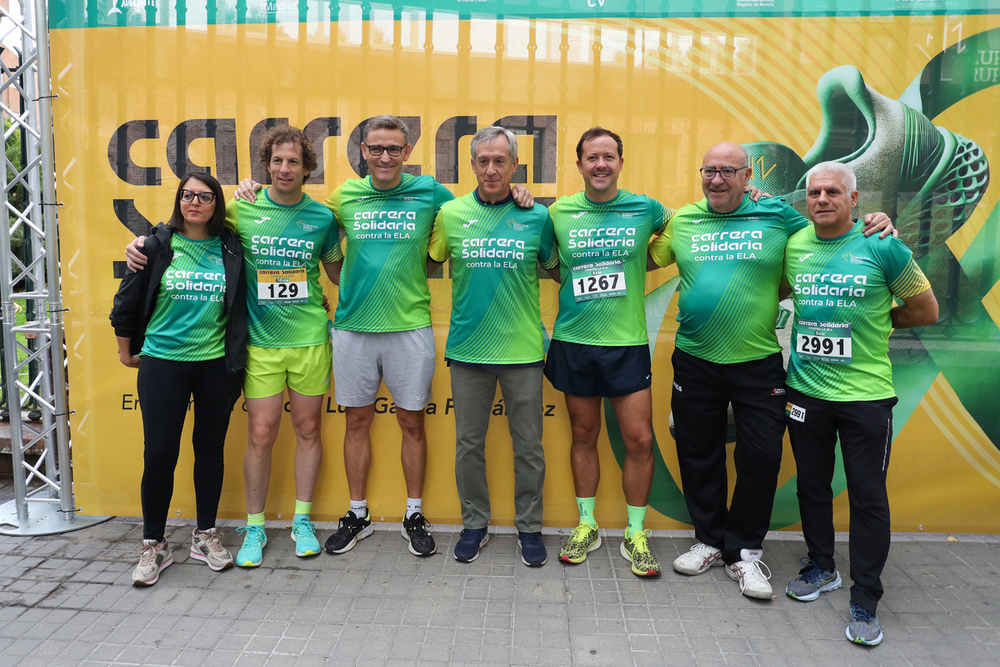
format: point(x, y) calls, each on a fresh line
point(378, 605)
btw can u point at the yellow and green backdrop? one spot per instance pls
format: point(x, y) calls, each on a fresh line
point(903, 90)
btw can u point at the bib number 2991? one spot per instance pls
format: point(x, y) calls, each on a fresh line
point(825, 342)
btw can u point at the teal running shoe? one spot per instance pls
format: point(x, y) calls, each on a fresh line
point(304, 536)
point(254, 540)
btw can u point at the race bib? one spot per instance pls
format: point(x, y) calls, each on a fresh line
point(824, 342)
point(598, 280)
point(795, 412)
point(281, 287)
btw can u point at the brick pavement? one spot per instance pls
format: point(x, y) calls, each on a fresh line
point(66, 600)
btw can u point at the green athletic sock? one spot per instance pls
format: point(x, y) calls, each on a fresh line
point(636, 516)
point(302, 509)
point(255, 519)
point(586, 507)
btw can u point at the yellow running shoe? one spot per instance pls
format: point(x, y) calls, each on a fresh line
point(636, 550)
point(582, 541)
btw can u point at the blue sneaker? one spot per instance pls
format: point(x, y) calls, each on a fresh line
point(252, 552)
point(469, 543)
point(864, 627)
point(533, 552)
point(304, 536)
point(812, 581)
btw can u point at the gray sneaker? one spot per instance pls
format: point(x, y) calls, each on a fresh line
point(812, 581)
point(864, 627)
point(206, 546)
point(154, 558)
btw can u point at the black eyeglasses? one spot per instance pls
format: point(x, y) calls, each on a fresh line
point(393, 151)
point(203, 197)
point(727, 173)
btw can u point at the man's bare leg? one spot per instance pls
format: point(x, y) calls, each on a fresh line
point(356, 525)
point(263, 420)
point(635, 417)
point(307, 413)
point(585, 421)
point(358, 449)
point(413, 451)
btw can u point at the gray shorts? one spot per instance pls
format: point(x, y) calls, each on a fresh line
point(404, 359)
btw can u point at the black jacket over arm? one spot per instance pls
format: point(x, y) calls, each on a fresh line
point(136, 297)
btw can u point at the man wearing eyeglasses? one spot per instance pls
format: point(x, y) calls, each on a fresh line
point(382, 326)
point(729, 251)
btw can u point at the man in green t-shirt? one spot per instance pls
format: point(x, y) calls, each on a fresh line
point(840, 384)
point(382, 327)
point(495, 337)
point(286, 235)
point(600, 348)
point(729, 251)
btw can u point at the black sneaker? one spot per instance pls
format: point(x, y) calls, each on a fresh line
point(351, 530)
point(416, 533)
point(533, 552)
point(469, 543)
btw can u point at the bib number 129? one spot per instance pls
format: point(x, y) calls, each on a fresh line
point(282, 291)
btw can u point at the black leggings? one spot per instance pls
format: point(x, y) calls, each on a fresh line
point(165, 390)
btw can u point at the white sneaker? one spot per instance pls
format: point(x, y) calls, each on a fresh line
point(698, 559)
point(750, 573)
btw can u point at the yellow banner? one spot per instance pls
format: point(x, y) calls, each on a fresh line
point(140, 104)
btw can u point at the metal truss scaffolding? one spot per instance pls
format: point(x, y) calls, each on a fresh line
point(34, 358)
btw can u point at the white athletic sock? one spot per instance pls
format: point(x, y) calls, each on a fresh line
point(413, 505)
point(360, 508)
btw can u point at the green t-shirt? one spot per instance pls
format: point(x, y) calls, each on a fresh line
point(601, 253)
point(730, 271)
point(383, 285)
point(189, 320)
point(843, 289)
point(282, 250)
point(495, 317)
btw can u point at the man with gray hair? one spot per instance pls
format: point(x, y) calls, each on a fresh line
point(840, 384)
point(495, 337)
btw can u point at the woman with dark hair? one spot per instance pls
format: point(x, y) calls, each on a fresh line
point(182, 322)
